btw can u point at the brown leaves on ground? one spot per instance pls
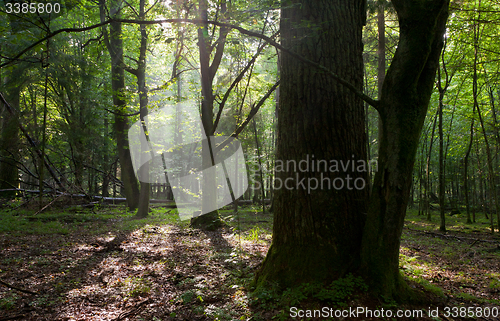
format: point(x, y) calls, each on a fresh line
point(461, 265)
point(153, 273)
point(158, 271)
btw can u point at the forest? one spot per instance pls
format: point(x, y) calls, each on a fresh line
point(263, 160)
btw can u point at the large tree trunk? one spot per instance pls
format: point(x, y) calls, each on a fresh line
point(403, 106)
point(317, 233)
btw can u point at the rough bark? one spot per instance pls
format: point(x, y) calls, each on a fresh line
point(317, 233)
point(403, 107)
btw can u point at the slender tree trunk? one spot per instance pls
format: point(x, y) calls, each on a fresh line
point(491, 173)
point(106, 166)
point(262, 191)
point(428, 189)
point(497, 132)
point(143, 206)
point(423, 179)
point(482, 187)
point(381, 58)
point(474, 198)
point(210, 220)
point(44, 139)
point(442, 226)
point(466, 171)
point(442, 90)
point(9, 135)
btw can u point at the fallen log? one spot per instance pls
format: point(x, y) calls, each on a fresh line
point(251, 202)
point(448, 236)
point(16, 288)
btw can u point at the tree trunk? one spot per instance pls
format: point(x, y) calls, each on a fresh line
point(427, 186)
point(43, 143)
point(442, 90)
point(466, 171)
point(106, 165)
point(262, 190)
point(442, 225)
point(9, 135)
point(381, 59)
point(492, 193)
point(491, 173)
point(115, 47)
point(497, 132)
point(317, 232)
point(211, 219)
point(403, 106)
point(143, 206)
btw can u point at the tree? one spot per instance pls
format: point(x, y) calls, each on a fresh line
point(11, 82)
point(322, 235)
point(114, 43)
point(208, 69)
point(317, 234)
point(403, 106)
point(140, 73)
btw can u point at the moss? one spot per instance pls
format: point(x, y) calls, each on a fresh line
point(208, 222)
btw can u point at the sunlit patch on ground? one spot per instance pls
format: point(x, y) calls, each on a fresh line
point(461, 263)
point(159, 269)
point(133, 269)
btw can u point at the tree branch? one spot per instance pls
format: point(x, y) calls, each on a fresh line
point(374, 103)
point(235, 82)
point(16, 288)
point(252, 113)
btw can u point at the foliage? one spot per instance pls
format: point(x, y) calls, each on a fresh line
point(7, 302)
point(338, 293)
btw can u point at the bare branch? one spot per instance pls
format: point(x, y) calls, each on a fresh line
point(351, 87)
point(253, 111)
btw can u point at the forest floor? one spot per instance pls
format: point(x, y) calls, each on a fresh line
point(100, 264)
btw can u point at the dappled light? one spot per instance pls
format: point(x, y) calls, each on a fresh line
point(215, 160)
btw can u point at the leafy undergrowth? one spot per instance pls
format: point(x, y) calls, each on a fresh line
point(101, 264)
